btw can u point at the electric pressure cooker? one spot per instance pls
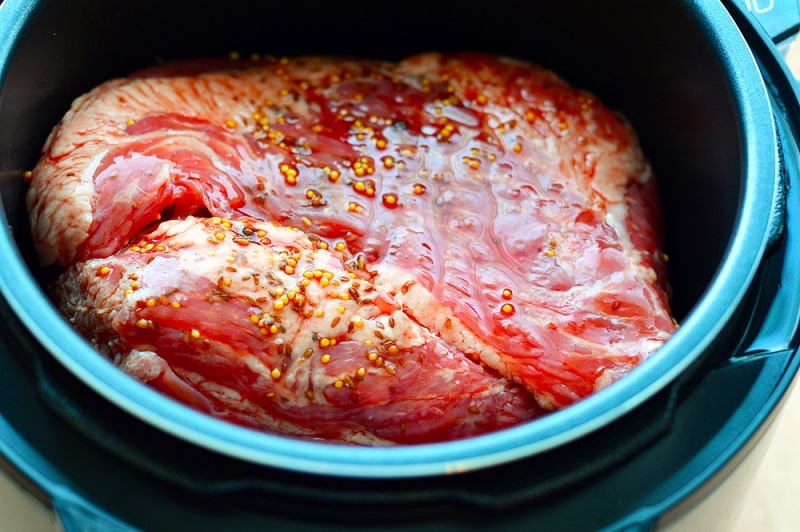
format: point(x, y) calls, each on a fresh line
point(717, 112)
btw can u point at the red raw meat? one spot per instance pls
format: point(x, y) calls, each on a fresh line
point(508, 220)
point(257, 324)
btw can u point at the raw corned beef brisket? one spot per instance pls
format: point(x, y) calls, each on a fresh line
point(356, 250)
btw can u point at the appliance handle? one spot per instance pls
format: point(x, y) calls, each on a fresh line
point(780, 19)
point(770, 27)
point(770, 47)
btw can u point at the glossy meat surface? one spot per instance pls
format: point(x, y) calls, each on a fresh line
point(507, 220)
point(256, 324)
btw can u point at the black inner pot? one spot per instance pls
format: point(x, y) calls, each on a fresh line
point(667, 66)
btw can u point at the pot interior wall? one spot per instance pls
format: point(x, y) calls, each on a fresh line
point(663, 77)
